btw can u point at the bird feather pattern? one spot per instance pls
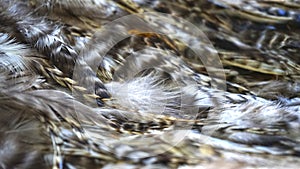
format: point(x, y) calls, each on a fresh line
point(84, 86)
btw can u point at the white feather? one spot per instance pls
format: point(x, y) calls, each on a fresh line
point(147, 94)
point(12, 54)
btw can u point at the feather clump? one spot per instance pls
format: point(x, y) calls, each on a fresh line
point(167, 116)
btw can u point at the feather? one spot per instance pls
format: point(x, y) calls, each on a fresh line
point(146, 94)
point(76, 93)
point(40, 33)
point(12, 54)
point(96, 9)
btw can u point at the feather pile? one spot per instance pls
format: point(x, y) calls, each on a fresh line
point(82, 85)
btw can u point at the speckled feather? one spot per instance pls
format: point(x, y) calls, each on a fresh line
point(65, 103)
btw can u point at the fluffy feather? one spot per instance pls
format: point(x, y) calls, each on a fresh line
point(12, 54)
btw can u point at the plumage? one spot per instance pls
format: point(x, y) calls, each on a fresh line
point(83, 84)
